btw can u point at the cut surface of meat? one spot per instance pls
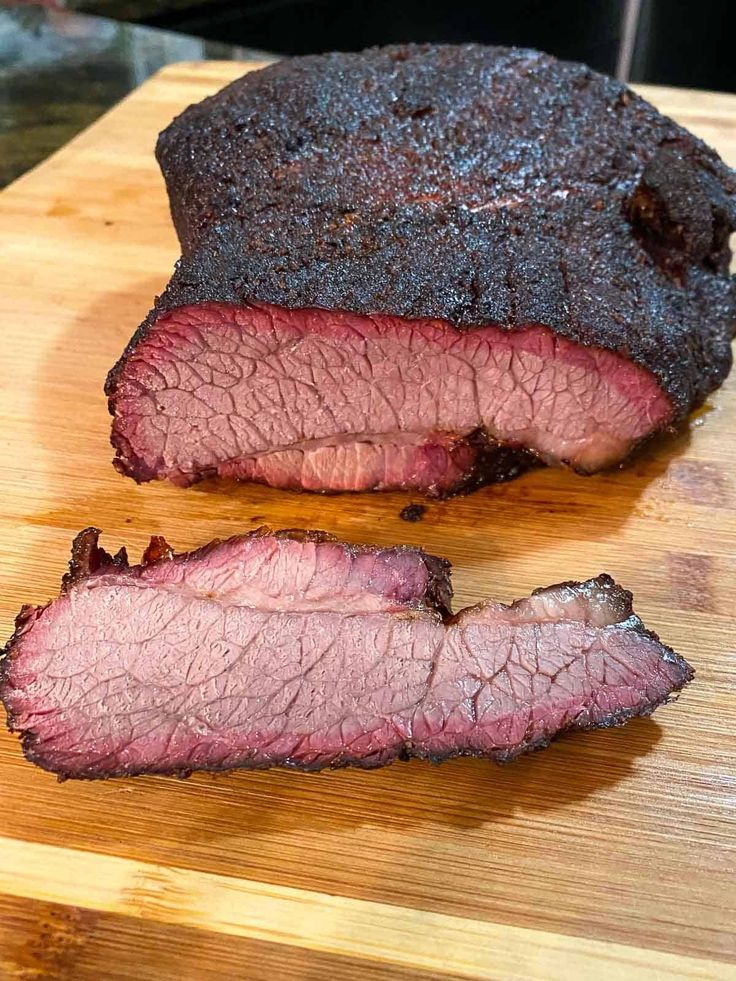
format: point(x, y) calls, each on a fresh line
point(424, 267)
point(327, 401)
point(294, 649)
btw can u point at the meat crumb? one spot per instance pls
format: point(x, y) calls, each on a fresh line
point(412, 512)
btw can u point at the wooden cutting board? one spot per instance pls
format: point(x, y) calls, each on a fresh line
point(610, 855)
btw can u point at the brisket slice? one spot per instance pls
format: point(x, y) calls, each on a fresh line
point(421, 267)
point(294, 649)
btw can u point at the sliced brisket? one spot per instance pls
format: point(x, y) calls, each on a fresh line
point(416, 266)
point(294, 649)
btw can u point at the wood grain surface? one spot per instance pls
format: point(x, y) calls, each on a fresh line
point(610, 855)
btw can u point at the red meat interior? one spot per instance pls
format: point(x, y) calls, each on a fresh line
point(260, 653)
point(329, 400)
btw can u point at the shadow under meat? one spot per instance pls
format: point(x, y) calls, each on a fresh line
point(462, 793)
point(458, 794)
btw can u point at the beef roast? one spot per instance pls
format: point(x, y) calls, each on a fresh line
point(424, 267)
point(294, 649)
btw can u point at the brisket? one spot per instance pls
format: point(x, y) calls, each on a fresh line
point(424, 267)
point(294, 649)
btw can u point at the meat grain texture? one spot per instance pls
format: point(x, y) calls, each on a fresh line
point(426, 267)
point(294, 649)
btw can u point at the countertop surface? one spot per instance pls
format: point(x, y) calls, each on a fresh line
point(59, 71)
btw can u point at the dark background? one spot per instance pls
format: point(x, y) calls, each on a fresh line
point(677, 42)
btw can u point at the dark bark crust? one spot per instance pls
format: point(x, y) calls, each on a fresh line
point(477, 185)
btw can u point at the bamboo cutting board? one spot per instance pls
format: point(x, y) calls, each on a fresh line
point(610, 855)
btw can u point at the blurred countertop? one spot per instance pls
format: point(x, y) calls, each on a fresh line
point(60, 70)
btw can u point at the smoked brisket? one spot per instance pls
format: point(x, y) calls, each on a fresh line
point(293, 649)
point(423, 267)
